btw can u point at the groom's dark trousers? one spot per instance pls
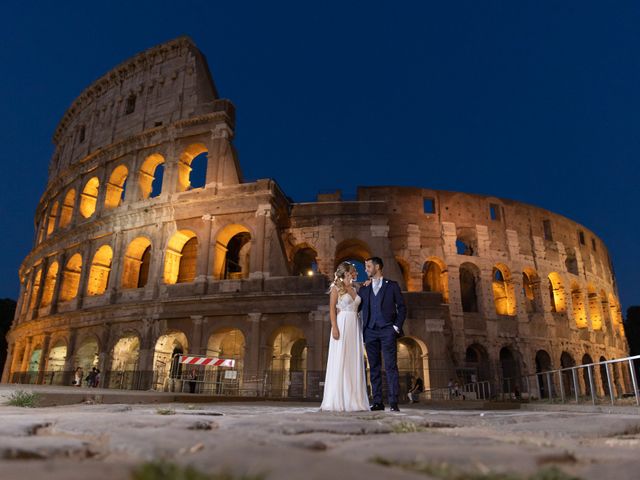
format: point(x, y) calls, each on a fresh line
point(379, 315)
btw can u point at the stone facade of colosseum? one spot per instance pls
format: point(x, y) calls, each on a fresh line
point(133, 261)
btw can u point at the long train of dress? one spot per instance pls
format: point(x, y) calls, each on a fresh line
point(345, 384)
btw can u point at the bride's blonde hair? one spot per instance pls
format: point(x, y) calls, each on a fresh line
point(338, 278)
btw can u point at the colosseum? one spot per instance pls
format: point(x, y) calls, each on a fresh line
point(136, 259)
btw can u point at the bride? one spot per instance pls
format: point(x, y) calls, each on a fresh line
point(345, 385)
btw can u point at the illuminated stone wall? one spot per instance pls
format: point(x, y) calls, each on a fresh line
point(133, 260)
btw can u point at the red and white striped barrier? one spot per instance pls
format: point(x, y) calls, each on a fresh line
point(207, 361)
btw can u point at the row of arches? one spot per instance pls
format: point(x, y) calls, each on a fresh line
point(597, 306)
point(286, 372)
point(592, 377)
point(586, 303)
point(190, 173)
point(476, 367)
point(232, 261)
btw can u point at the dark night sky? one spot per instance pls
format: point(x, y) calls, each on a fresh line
point(534, 101)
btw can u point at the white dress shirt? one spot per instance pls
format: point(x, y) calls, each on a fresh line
point(376, 284)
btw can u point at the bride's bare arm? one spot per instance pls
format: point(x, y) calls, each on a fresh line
point(333, 315)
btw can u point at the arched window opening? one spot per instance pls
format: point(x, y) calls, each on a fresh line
point(135, 271)
point(57, 357)
point(53, 215)
point(125, 355)
point(530, 285)
point(100, 271)
point(571, 262)
point(130, 106)
point(89, 197)
point(232, 252)
point(151, 176)
point(586, 360)
point(116, 187)
point(181, 258)
point(35, 289)
point(503, 293)
point(510, 370)
point(464, 248)
point(543, 364)
point(87, 355)
point(192, 167)
point(604, 379)
point(556, 293)
point(49, 284)
point(305, 262)
point(354, 251)
point(71, 278)
point(477, 367)
point(288, 362)
point(237, 258)
point(434, 278)
point(67, 208)
point(166, 358)
point(466, 241)
point(230, 344)
point(468, 288)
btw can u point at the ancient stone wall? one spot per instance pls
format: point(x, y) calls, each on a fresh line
point(134, 261)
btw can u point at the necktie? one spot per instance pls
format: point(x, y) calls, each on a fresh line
point(376, 286)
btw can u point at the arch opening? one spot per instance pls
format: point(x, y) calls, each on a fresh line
point(181, 258)
point(135, 271)
point(71, 278)
point(116, 187)
point(100, 271)
point(89, 197)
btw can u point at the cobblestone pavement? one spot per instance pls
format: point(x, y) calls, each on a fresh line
point(285, 440)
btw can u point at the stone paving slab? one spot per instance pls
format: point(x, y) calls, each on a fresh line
point(289, 440)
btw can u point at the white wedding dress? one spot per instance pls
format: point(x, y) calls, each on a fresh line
point(345, 384)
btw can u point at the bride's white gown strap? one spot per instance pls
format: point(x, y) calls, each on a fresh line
point(345, 385)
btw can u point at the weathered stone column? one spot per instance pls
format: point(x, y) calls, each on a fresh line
point(43, 358)
point(170, 175)
point(87, 251)
point(69, 360)
point(156, 269)
point(43, 275)
point(204, 255)
point(258, 249)
point(102, 192)
point(316, 346)
point(116, 265)
point(26, 355)
point(105, 355)
point(222, 168)
point(145, 357)
point(197, 324)
point(484, 291)
point(253, 371)
point(61, 259)
point(24, 311)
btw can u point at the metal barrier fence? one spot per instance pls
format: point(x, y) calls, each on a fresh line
point(468, 391)
point(578, 383)
point(609, 381)
point(215, 381)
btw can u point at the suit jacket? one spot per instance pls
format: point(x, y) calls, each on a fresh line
point(393, 308)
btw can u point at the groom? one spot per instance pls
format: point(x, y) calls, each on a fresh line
point(383, 313)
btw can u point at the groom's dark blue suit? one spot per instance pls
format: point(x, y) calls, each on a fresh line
point(380, 313)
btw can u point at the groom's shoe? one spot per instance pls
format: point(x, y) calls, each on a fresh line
point(377, 406)
point(394, 407)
